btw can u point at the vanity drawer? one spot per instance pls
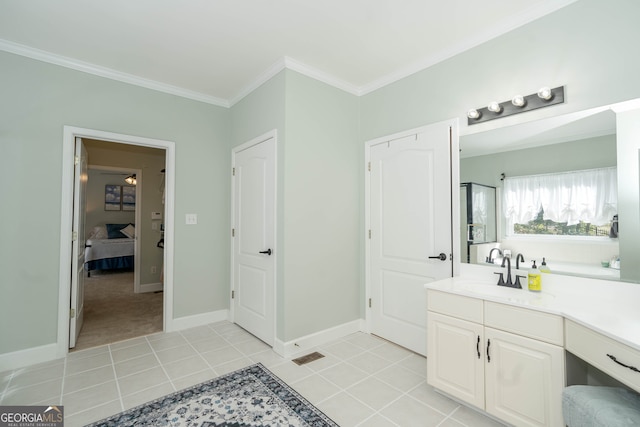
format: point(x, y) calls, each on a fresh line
point(459, 306)
point(593, 348)
point(529, 323)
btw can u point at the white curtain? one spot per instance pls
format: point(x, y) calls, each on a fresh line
point(587, 195)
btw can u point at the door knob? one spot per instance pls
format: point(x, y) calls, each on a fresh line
point(441, 257)
point(268, 252)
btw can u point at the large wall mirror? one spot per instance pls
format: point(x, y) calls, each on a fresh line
point(567, 145)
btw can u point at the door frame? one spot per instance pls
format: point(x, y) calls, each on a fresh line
point(138, 216)
point(454, 158)
point(255, 141)
point(68, 153)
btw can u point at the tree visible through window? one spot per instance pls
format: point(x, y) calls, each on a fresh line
point(539, 225)
point(574, 203)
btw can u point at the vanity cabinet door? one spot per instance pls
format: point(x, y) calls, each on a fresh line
point(524, 379)
point(455, 359)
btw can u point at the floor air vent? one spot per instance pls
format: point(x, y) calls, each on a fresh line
point(308, 358)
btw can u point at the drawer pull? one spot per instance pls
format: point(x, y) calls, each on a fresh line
point(488, 356)
point(633, 368)
point(478, 346)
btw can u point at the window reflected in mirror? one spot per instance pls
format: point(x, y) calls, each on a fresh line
point(572, 203)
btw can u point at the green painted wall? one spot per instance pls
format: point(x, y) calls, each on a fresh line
point(318, 194)
point(588, 46)
point(38, 100)
point(259, 112)
point(321, 207)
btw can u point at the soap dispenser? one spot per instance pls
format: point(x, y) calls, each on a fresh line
point(544, 268)
point(534, 279)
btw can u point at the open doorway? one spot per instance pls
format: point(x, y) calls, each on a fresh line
point(124, 238)
point(148, 214)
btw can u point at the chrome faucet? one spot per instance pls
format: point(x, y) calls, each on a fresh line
point(490, 257)
point(518, 259)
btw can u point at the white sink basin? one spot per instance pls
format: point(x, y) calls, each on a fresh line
point(471, 283)
point(519, 296)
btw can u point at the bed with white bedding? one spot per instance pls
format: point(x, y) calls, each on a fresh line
point(110, 247)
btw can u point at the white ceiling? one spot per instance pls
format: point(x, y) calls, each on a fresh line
point(217, 51)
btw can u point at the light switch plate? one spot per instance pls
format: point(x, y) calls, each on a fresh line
point(191, 219)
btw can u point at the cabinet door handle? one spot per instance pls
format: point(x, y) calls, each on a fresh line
point(633, 368)
point(478, 346)
point(488, 356)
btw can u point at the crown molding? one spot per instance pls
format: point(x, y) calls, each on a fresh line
point(267, 74)
point(86, 67)
point(108, 73)
point(316, 74)
point(512, 23)
point(294, 65)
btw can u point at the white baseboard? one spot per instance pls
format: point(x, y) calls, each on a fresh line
point(197, 320)
point(287, 349)
point(308, 342)
point(30, 356)
point(151, 287)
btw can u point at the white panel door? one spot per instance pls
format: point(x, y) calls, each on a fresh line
point(78, 244)
point(253, 290)
point(410, 223)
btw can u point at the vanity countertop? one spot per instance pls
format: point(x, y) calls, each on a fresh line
point(610, 308)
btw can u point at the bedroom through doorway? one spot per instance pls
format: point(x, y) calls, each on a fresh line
point(124, 239)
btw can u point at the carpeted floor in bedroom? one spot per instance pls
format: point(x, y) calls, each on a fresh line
point(113, 312)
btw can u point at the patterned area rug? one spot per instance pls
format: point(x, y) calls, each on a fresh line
point(251, 396)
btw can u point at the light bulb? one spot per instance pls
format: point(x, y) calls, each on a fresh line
point(518, 101)
point(473, 114)
point(494, 107)
point(545, 93)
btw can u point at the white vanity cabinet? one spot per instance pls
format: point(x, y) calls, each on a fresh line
point(455, 346)
point(612, 357)
point(506, 360)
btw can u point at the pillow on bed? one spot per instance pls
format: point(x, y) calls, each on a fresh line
point(129, 231)
point(99, 232)
point(113, 231)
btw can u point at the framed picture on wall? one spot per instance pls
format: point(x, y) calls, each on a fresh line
point(112, 197)
point(128, 198)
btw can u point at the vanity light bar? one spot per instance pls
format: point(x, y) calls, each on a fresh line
point(545, 97)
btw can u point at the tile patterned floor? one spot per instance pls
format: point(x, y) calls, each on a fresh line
point(362, 380)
